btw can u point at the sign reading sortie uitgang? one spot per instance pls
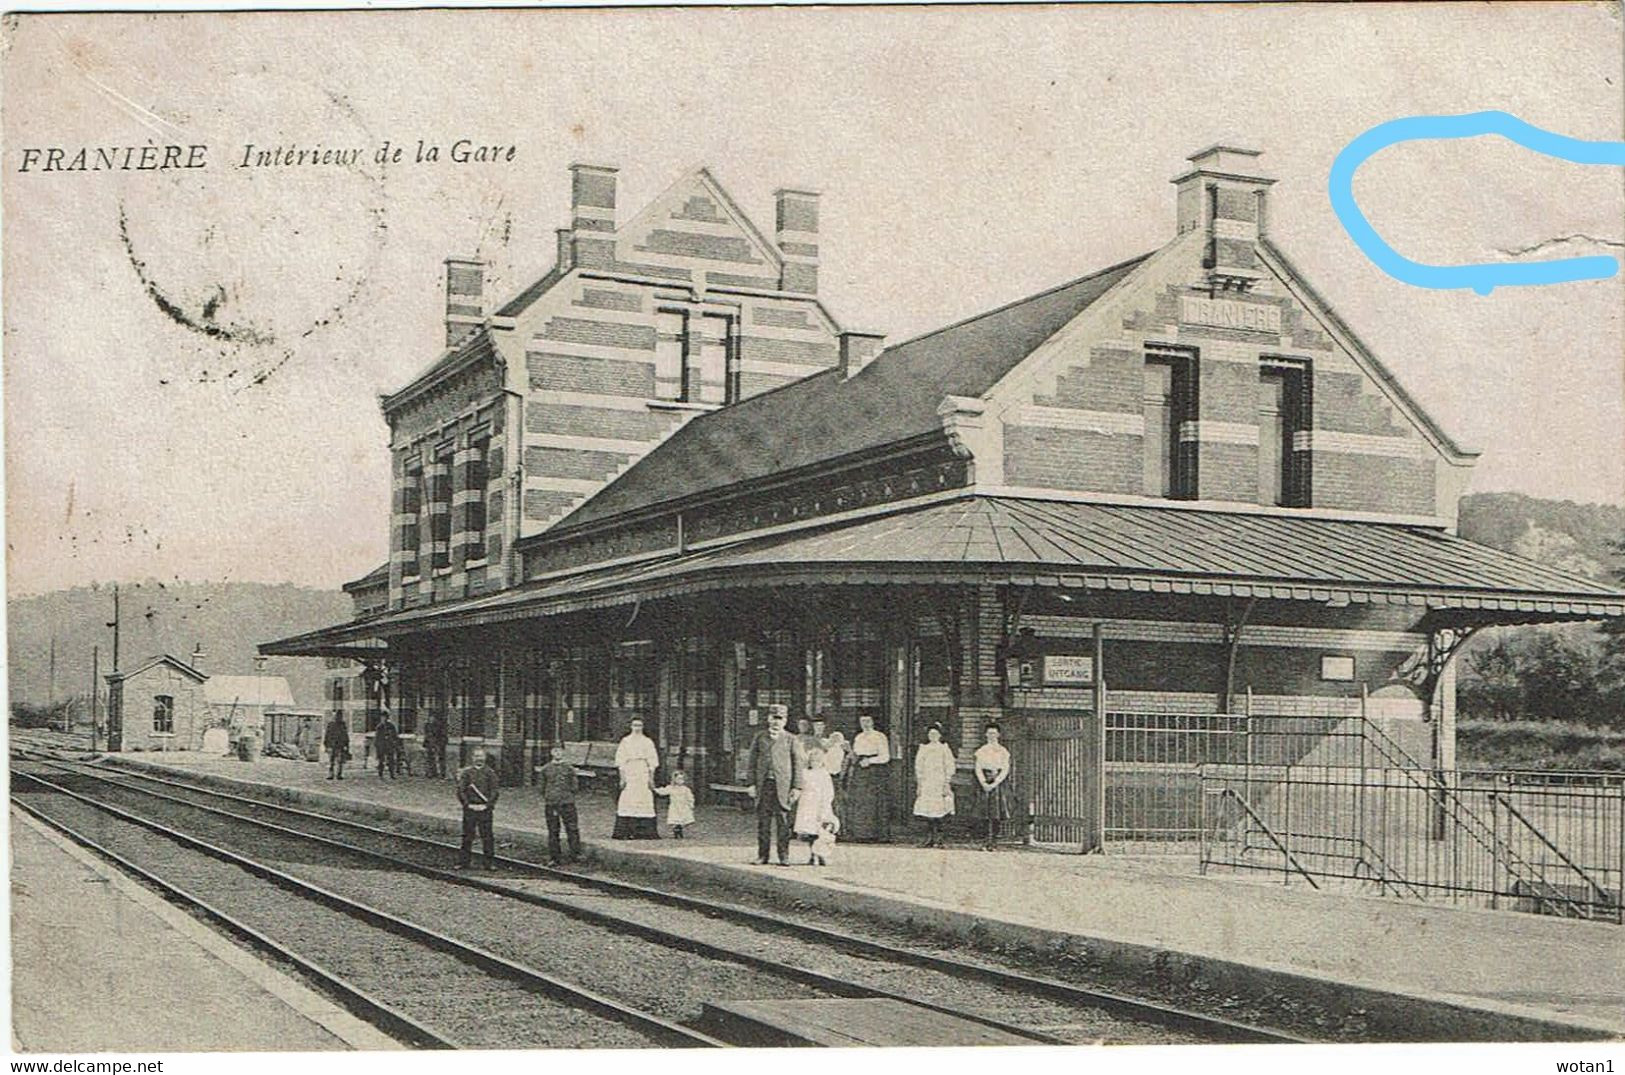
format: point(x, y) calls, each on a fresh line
point(1228, 313)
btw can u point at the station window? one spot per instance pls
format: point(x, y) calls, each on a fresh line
point(671, 342)
point(694, 695)
point(536, 682)
point(440, 507)
point(715, 376)
point(856, 674)
point(632, 674)
point(1170, 403)
point(411, 534)
point(163, 713)
point(476, 475)
point(1283, 413)
point(696, 357)
point(480, 689)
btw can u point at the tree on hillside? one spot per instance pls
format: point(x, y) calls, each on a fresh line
point(1613, 631)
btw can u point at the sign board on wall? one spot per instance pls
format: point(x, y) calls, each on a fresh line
point(1228, 313)
point(1064, 669)
point(1337, 667)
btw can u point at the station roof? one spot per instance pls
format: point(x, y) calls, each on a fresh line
point(829, 416)
point(1070, 544)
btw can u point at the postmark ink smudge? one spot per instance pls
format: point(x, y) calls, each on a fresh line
point(204, 324)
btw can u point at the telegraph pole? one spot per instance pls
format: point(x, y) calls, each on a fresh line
point(114, 626)
point(50, 690)
point(95, 680)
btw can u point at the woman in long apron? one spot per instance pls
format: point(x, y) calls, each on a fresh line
point(636, 759)
point(868, 785)
point(933, 780)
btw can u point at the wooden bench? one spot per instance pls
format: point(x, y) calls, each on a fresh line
point(738, 794)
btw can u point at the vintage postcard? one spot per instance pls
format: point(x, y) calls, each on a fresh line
point(601, 528)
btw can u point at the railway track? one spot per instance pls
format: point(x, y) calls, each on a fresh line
point(420, 985)
point(823, 961)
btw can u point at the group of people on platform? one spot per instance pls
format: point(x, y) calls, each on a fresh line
point(812, 786)
point(809, 786)
point(387, 746)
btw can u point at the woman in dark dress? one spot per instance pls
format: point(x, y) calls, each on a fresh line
point(868, 785)
point(992, 769)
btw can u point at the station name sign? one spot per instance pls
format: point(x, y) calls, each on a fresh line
point(1227, 313)
point(1068, 670)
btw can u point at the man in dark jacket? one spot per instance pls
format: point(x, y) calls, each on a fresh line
point(434, 745)
point(776, 763)
point(477, 790)
point(559, 802)
point(337, 741)
point(386, 740)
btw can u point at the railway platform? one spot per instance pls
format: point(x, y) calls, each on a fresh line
point(1427, 965)
point(70, 989)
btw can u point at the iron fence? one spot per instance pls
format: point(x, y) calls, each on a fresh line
point(1545, 842)
point(1153, 760)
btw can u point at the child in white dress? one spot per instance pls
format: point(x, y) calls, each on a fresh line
point(680, 808)
point(815, 810)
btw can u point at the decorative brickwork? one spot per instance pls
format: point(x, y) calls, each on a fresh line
point(1363, 454)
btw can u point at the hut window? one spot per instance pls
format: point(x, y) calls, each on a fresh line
point(163, 713)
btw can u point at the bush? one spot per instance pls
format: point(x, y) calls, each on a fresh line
point(24, 715)
point(1497, 744)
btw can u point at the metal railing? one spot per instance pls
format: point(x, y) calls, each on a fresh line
point(1551, 843)
point(1153, 760)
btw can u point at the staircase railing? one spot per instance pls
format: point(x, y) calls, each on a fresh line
point(1450, 802)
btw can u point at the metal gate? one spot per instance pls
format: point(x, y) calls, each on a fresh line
point(1056, 765)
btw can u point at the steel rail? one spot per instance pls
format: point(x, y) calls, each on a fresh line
point(576, 995)
point(1217, 1027)
point(666, 938)
point(355, 1000)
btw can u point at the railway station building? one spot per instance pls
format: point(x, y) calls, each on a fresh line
point(1142, 513)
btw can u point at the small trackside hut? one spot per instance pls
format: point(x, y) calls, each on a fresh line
point(1168, 514)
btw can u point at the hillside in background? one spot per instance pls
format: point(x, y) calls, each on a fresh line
point(229, 619)
point(1561, 533)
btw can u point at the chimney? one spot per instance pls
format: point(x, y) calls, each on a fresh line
point(592, 215)
point(797, 236)
point(197, 656)
point(1223, 195)
point(858, 349)
point(465, 298)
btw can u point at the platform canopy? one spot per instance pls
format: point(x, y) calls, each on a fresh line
point(1067, 544)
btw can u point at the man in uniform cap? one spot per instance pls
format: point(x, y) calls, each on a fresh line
point(477, 790)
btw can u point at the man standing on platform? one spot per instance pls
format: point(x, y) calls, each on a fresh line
point(559, 805)
point(776, 762)
point(337, 741)
point(477, 790)
point(434, 745)
point(386, 740)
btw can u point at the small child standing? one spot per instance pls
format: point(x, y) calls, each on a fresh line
point(680, 810)
point(816, 823)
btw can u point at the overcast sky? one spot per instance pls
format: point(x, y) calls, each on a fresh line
point(966, 158)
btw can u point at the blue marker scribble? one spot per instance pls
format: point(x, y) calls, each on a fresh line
point(1482, 278)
